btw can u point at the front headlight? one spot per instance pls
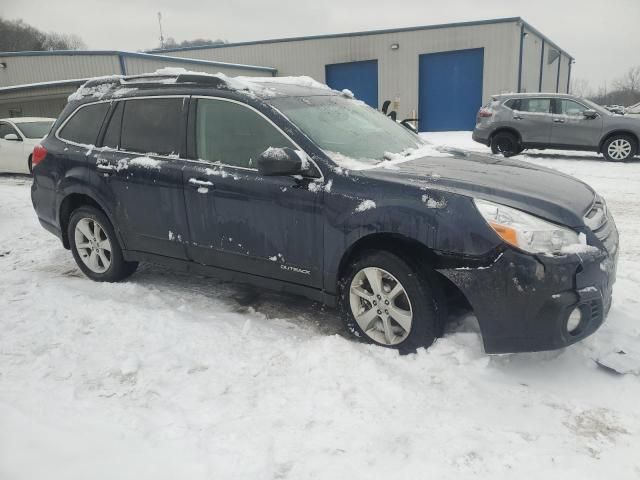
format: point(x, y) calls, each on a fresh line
point(525, 231)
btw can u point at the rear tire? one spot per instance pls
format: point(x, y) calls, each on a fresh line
point(95, 247)
point(400, 308)
point(619, 148)
point(505, 143)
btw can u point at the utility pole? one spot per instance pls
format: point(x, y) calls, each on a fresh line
point(161, 36)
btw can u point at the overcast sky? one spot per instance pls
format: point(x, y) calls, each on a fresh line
point(603, 36)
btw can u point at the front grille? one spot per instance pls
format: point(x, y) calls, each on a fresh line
point(601, 223)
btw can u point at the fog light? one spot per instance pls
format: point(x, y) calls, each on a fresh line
point(574, 321)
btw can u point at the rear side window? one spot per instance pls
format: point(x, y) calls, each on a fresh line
point(233, 134)
point(533, 105)
point(83, 127)
point(152, 126)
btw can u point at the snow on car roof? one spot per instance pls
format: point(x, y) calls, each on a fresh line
point(264, 87)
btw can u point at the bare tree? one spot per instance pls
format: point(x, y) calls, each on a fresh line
point(580, 87)
point(15, 35)
point(630, 81)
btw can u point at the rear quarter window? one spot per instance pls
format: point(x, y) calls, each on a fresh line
point(84, 125)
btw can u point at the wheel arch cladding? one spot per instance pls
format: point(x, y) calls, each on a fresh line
point(411, 251)
point(510, 130)
point(69, 204)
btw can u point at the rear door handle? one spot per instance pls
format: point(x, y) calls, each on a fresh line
point(105, 168)
point(517, 117)
point(558, 120)
point(200, 183)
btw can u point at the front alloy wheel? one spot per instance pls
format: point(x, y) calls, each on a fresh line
point(388, 300)
point(381, 306)
point(619, 149)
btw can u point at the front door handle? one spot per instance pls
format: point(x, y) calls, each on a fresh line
point(558, 120)
point(200, 183)
point(517, 117)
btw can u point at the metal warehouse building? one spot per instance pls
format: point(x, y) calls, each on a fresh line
point(440, 73)
point(38, 83)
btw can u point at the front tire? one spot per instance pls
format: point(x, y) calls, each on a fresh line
point(505, 143)
point(619, 148)
point(383, 300)
point(95, 247)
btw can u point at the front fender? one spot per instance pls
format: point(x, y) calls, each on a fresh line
point(444, 222)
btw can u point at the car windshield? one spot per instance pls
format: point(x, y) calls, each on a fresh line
point(347, 127)
point(37, 129)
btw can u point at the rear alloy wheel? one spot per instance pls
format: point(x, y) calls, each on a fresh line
point(95, 247)
point(385, 301)
point(619, 148)
point(506, 144)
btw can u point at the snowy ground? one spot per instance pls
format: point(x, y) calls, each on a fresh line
point(168, 376)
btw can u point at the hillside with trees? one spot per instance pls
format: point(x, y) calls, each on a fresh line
point(16, 36)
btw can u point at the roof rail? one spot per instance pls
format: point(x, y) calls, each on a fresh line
point(104, 85)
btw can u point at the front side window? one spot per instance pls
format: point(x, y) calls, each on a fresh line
point(83, 127)
point(347, 127)
point(152, 125)
point(535, 105)
point(35, 129)
point(6, 129)
point(232, 134)
point(569, 107)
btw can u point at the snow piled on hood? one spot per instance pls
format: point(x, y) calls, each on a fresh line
point(391, 159)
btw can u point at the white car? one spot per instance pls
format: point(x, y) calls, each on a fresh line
point(18, 136)
point(634, 110)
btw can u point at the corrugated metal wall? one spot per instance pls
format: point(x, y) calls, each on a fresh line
point(532, 48)
point(398, 69)
point(43, 68)
point(27, 69)
point(139, 65)
point(43, 102)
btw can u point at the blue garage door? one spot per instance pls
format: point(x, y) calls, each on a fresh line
point(450, 90)
point(359, 77)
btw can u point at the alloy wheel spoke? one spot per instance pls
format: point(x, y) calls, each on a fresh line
point(374, 276)
point(83, 226)
point(362, 293)
point(395, 291)
point(388, 331)
point(366, 318)
point(105, 245)
point(104, 259)
point(93, 261)
point(96, 230)
point(84, 245)
point(402, 317)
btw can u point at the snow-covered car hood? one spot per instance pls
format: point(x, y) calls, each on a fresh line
point(544, 192)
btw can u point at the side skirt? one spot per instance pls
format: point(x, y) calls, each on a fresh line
point(233, 276)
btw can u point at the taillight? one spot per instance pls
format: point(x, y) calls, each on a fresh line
point(39, 152)
point(484, 113)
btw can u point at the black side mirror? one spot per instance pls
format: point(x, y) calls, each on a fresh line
point(280, 161)
point(590, 114)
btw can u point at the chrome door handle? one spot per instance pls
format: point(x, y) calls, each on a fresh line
point(105, 168)
point(200, 183)
point(517, 117)
point(558, 120)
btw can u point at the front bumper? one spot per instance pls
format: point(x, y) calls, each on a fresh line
point(523, 301)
